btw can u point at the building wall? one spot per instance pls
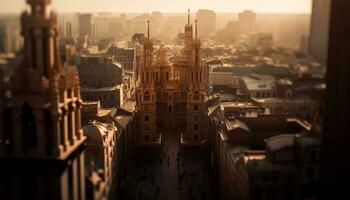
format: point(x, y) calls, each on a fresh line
point(206, 21)
point(319, 32)
point(85, 24)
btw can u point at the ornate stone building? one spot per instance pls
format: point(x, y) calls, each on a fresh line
point(171, 92)
point(42, 151)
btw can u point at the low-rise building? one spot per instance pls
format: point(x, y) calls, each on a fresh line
point(109, 149)
point(259, 86)
point(267, 157)
point(101, 79)
point(303, 108)
point(108, 96)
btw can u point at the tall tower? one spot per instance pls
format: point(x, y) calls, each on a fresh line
point(146, 101)
point(195, 131)
point(42, 152)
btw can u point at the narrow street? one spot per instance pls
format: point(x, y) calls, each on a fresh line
point(173, 176)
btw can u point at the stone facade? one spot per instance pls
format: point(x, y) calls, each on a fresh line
point(101, 79)
point(42, 151)
point(171, 95)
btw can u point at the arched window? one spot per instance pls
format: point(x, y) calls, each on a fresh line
point(196, 96)
point(48, 128)
point(146, 97)
point(28, 127)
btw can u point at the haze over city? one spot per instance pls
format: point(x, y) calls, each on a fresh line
point(174, 99)
point(144, 6)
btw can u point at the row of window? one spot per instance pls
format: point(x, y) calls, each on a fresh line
point(98, 97)
point(167, 97)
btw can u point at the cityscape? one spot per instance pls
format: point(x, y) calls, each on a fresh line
point(189, 100)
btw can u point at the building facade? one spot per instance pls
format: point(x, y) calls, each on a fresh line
point(125, 56)
point(319, 32)
point(207, 22)
point(85, 24)
point(171, 94)
point(101, 79)
point(42, 147)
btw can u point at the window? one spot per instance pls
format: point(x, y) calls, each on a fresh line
point(176, 95)
point(146, 118)
point(147, 77)
point(183, 95)
point(310, 173)
point(146, 137)
point(146, 127)
point(146, 96)
point(195, 127)
point(28, 126)
point(170, 109)
point(160, 124)
point(196, 96)
point(165, 96)
point(182, 124)
point(159, 97)
point(195, 107)
point(313, 155)
point(195, 137)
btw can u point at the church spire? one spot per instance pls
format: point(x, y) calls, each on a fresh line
point(196, 29)
point(188, 17)
point(148, 30)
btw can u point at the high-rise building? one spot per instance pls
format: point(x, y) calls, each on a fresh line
point(304, 44)
point(4, 38)
point(69, 30)
point(85, 24)
point(335, 138)
point(247, 21)
point(318, 41)
point(125, 56)
point(42, 147)
point(206, 21)
point(171, 95)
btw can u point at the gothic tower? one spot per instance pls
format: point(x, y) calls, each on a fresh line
point(195, 133)
point(171, 94)
point(146, 102)
point(42, 152)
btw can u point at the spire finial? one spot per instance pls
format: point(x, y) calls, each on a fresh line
point(148, 29)
point(196, 28)
point(188, 17)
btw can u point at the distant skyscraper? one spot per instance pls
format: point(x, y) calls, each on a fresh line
point(42, 147)
point(69, 31)
point(4, 38)
point(304, 44)
point(206, 21)
point(318, 41)
point(247, 21)
point(85, 24)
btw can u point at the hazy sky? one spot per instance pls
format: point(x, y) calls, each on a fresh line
point(275, 6)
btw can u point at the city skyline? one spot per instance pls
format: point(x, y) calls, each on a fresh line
point(142, 6)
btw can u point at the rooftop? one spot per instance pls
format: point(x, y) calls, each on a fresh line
point(259, 82)
point(280, 142)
